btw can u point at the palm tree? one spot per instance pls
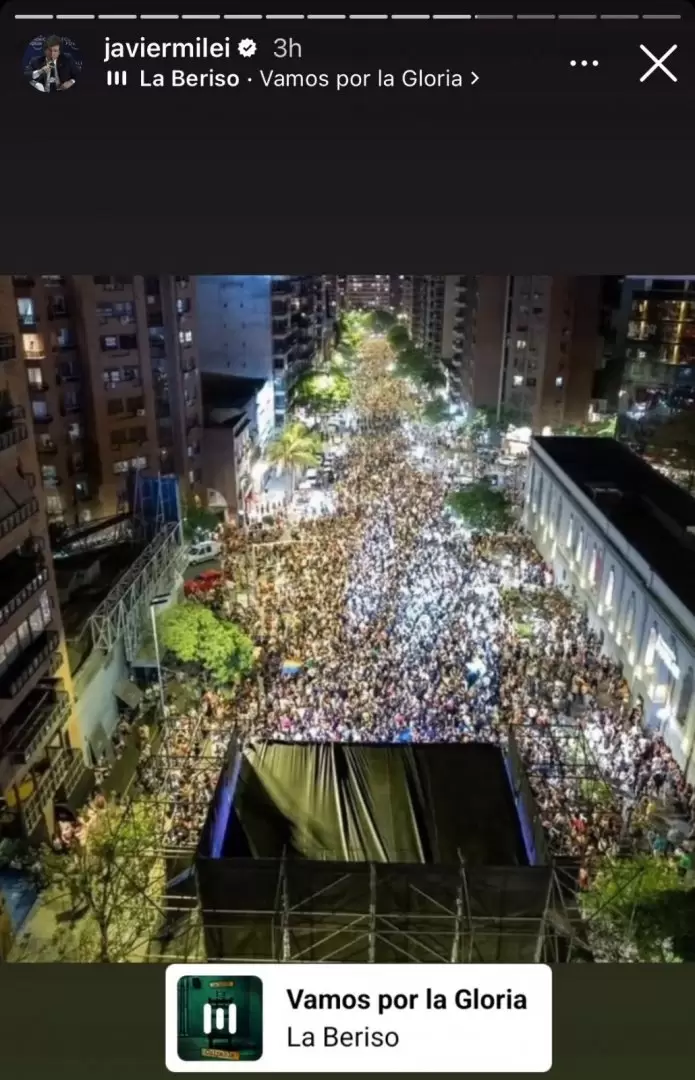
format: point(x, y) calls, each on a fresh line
point(295, 448)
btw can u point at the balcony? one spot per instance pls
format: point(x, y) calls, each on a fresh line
point(65, 770)
point(38, 387)
point(31, 660)
point(45, 418)
point(28, 321)
point(8, 348)
point(12, 519)
point(12, 435)
point(42, 713)
point(21, 576)
point(158, 352)
point(68, 408)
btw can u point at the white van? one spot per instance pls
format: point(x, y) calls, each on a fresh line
point(204, 552)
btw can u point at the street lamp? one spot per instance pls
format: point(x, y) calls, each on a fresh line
point(158, 601)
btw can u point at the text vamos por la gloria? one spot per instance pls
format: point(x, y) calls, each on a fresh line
point(332, 1037)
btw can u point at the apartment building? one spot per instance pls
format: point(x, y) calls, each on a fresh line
point(113, 383)
point(368, 291)
point(262, 327)
point(40, 756)
point(654, 351)
point(553, 349)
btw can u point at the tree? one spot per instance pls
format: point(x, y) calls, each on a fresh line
point(641, 908)
point(435, 411)
point(596, 429)
point(105, 891)
point(482, 507)
point(295, 448)
point(323, 391)
point(195, 635)
point(398, 337)
point(353, 327)
point(672, 442)
point(198, 519)
point(381, 321)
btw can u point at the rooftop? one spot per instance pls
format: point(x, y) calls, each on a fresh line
point(228, 391)
point(654, 515)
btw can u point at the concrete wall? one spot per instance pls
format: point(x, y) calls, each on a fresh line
point(96, 702)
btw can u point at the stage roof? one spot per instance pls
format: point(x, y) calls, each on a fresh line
point(408, 803)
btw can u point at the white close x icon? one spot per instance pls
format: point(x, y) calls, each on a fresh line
point(658, 64)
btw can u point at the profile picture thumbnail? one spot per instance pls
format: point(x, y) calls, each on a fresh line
point(52, 63)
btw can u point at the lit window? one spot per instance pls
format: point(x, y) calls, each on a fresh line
point(25, 310)
point(559, 381)
point(40, 410)
point(570, 530)
point(46, 607)
point(121, 466)
point(139, 462)
point(521, 343)
point(518, 380)
point(610, 588)
point(35, 376)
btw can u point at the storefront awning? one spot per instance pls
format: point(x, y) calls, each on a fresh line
point(128, 693)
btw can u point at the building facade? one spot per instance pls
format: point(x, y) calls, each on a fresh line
point(113, 383)
point(40, 740)
point(369, 291)
point(619, 537)
point(655, 342)
point(262, 327)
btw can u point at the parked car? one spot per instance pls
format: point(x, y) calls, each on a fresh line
point(204, 552)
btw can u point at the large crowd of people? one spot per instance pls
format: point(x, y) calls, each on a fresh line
point(388, 621)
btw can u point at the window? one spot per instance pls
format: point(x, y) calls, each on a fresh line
point(186, 337)
point(629, 623)
point(531, 382)
point(49, 475)
point(114, 406)
point(46, 442)
point(570, 530)
point(128, 341)
point(651, 647)
point(559, 381)
point(518, 380)
point(35, 376)
point(183, 306)
point(121, 466)
point(139, 462)
point(610, 587)
point(74, 432)
point(25, 311)
point(54, 504)
point(117, 439)
point(592, 565)
point(685, 700)
point(39, 410)
point(137, 434)
point(33, 345)
point(109, 342)
point(580, 545)
point(521, 343)
point(111, 377)
point(131, 374)
point(65, 338)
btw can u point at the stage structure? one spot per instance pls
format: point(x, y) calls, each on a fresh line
point(374, 854)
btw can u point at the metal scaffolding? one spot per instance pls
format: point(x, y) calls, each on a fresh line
point(376, 913)
point(123, 613)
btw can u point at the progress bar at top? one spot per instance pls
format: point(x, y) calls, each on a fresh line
point(370, 17)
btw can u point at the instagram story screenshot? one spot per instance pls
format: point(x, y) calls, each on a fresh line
point(347, 619)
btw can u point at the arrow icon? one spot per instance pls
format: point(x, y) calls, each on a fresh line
point(475, 78)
